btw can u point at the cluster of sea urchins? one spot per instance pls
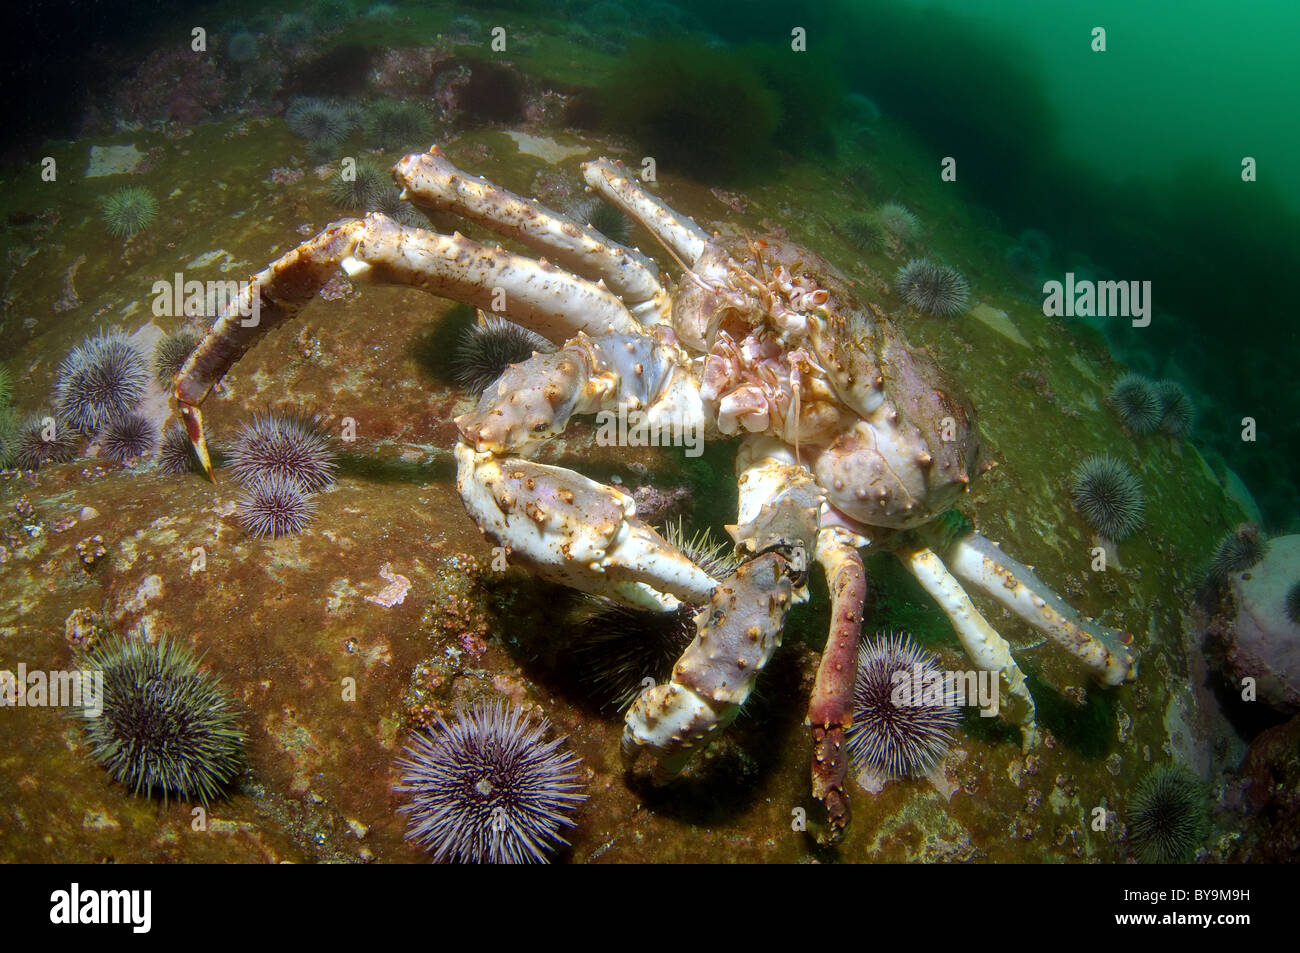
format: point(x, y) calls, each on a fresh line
point(488, 788)
point(1146, 406)
point(282, 460)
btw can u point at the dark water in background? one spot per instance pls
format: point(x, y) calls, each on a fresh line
point(1130, 157)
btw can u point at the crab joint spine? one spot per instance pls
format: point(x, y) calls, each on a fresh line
point(975, 559)
point(737, 631)
point(988, 650)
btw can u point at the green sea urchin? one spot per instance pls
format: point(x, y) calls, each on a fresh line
point(489, 346)
point(361, 188)
point(6, 385)
point(166, 725)
point(103, 377)
point(1108, 496)
point(170, 354)
point(899, 739)
point(932, 287)
point(488, 789)
point(127, 438)
point(283, 445)
point(899, 222)
point(618, 647)
point(1293, 603)
point(43, 440)
point(1168, 817)
point(128, 211)
point(397, 125)
point(865, 233)
point(1238, 551)
point(601, 216)
point(273, 506)
point(176, 454)
point(1176, 408)
point(318, 121)
point(1134, 399)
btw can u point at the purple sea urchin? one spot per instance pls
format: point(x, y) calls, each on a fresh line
point(275, 505)
point(127, 438)
point(1108, 496)
point(166, 726)
point(489, 346)
point(284, 445)
point(101, 378)
point(1176, 408)
point(1168, 817)
point(1135, 400)
point(171, 353)
point(128, 211)
point(1239, 550)
point(932, 287)
point(900, 728)
point(488, 789)
point(44, 440)
point(176, 455)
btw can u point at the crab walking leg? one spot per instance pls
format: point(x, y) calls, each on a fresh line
point(830, 711)
point(982, 564)
point(677, 231)
point(430, 181)
point(737, 631)
point(540, 296)
point(988, 650)
point(575, 531)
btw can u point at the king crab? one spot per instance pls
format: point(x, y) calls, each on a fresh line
point(849, 439)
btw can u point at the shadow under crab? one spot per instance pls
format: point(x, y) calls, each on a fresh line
point(850, 439)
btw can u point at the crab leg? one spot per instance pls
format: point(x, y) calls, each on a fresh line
point(737, 631)
point(678, 232)
point(430, 181)
point(988, 650)
point(575, 531)
point(978, 561)
point(830, 711)
point(537, 295)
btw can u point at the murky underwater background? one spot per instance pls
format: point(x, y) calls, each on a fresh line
point(132, 156)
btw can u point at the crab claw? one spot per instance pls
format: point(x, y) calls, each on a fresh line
point(193, 421)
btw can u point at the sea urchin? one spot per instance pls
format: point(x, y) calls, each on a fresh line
point(1134, 399)
point(1238, 551)
point(43, 440)
point(165, 725)
point(892, 738)
point(127, 438)
point(933, 288)
point(283, 445)
point(489, 346)
point(1293, 603)
point(1176, 408)
point(1168, 817)
point(129, 210)
point(103, 377)
point(488, 789)
point(275, 505)
point(1108, 496)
